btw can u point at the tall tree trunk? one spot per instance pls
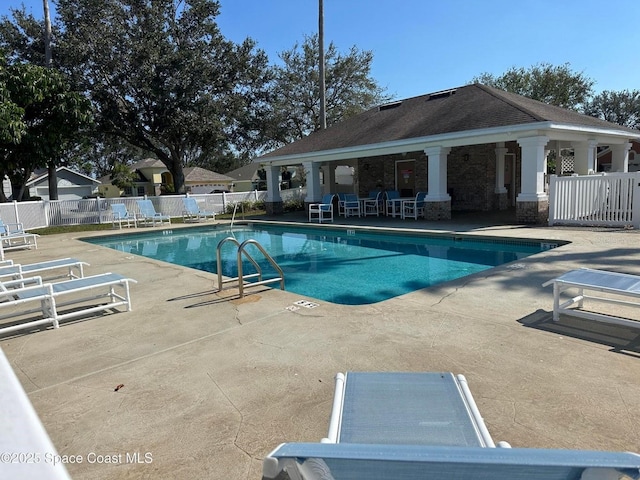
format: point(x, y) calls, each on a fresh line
point(51, 166)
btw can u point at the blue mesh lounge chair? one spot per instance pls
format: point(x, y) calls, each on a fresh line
point(192, 212)
point(322, 211)
point(122, 216)
point(425, 425)
point(149, 216)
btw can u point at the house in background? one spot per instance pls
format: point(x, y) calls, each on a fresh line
point(200, 180)
point(152, 177)
point(72, 185)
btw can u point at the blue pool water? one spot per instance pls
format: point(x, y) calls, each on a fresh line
point(344, 266)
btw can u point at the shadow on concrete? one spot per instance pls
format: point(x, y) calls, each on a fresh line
point(625, 340)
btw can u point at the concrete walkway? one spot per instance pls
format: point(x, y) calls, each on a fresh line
point(212, 383)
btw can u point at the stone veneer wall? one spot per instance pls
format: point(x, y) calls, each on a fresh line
point(532, 212)
point(274, 208)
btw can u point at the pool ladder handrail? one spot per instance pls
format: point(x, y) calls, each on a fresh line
point(241, 277)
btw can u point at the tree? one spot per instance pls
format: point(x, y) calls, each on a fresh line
point(621, 107)
point(555, 85)
point(296, 94)
point(52, 116)
point(164, 79)
point(122, 176)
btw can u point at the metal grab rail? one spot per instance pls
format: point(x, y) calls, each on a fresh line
point(241, 277)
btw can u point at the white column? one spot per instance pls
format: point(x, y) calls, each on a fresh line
point(620, 157)
point(329, 174)
point(501, 150)
point(584, 157)
point(312, 173)
point(437, 162)
point(273, 183)
point(533, 167)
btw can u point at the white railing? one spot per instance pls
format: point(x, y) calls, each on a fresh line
point(44, 213)
point(611, 200)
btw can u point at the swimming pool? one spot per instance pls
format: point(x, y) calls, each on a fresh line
point(340, 265)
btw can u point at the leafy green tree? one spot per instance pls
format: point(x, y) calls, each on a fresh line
point(164, 79)
point(350, 89)
point(52, 116)
point(555, 85)
point(122, 176)
point(621, 107)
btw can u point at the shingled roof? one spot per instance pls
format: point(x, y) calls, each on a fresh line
point(464, 109)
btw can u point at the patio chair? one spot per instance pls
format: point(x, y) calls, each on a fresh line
point(50, 297)
point(414, 208)
point(122, 216)
point(74, 269)
point(351, 206)
point(192, 212)
point(389, 201)
point(13, 236)
point(424, 425)
point(149, 216)
point(322, 211)
point(341, 200)
point(373, 204)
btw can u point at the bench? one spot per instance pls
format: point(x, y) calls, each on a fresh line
point(589, 280)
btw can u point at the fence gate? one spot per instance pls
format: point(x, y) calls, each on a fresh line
point(611, 200)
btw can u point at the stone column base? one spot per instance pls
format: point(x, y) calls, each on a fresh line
point(533, 212)
point(274, 208)
point(502, 201)
point(437, 210)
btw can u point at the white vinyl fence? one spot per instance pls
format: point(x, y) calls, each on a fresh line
point(609, 200)
point(44, 213)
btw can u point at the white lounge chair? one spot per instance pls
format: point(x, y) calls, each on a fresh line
point(149, 216)
point(425, 425)
point(122, 217)
point(322, 211)
point(50, 297)
point(74, 269)
point(13, 236)
point(192, 212)
point(326, 461)
point(589, 280)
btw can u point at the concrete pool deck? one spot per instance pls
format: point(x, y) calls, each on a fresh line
point(212, 383)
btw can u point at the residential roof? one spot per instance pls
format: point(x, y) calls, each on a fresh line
point(463, 109)
point(39, 175)
point(148, 163)
point(197, 174)
point(246, 172)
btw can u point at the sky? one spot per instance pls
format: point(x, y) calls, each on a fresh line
point(423, 46)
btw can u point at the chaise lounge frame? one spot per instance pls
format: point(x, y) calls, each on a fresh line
point(52, 296)
point(590, 280)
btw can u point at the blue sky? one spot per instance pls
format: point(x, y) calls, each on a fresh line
point(422, 46)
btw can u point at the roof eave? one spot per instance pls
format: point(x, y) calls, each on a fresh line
point(454, 139)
